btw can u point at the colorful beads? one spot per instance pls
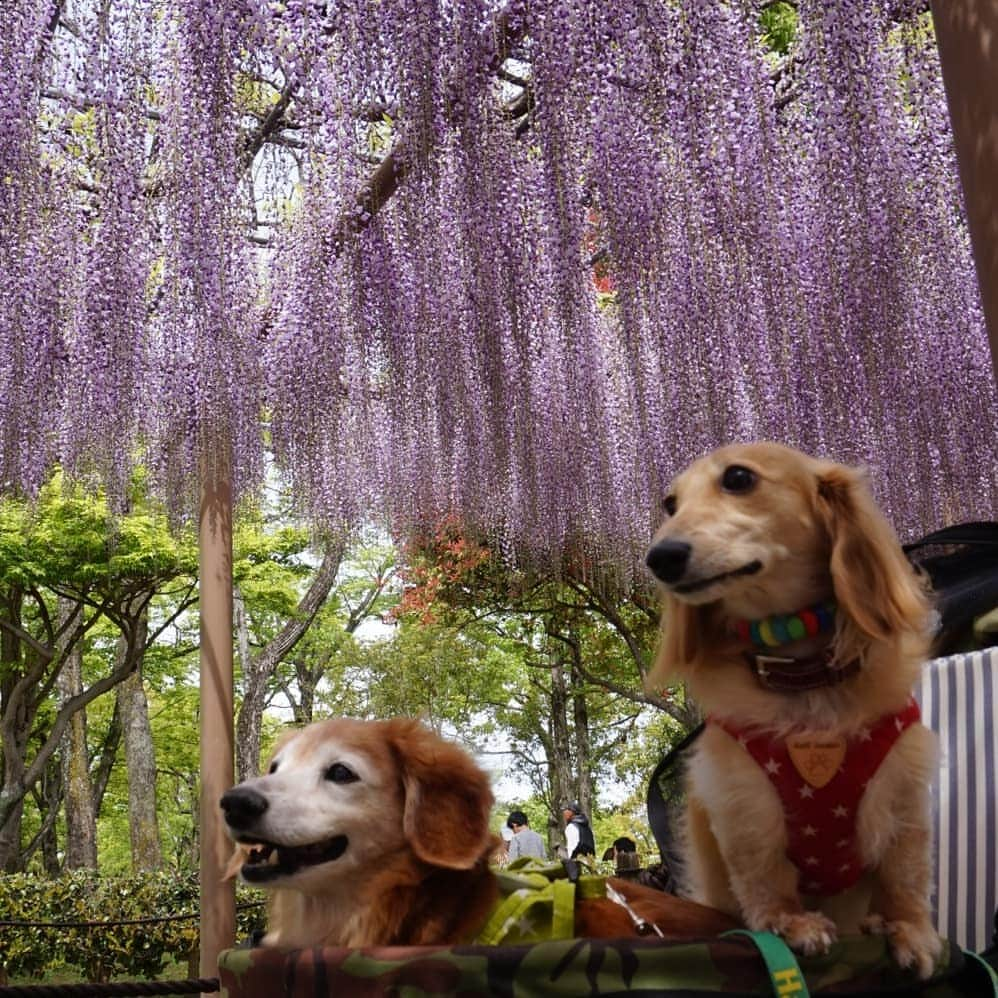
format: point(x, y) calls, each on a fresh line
point(796, 628)
point(782, 628)
point(810, 621)
point(766, 632)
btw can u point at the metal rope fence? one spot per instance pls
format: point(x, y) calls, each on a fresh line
point(120, 989)
point(110, 923)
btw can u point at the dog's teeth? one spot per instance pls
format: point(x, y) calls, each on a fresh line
point(260, 854)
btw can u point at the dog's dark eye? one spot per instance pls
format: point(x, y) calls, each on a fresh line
point(738, 479)
point(669, 505)
point(273, 767)
point(339, 773)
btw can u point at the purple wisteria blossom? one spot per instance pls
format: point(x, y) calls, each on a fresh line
point(781, 236)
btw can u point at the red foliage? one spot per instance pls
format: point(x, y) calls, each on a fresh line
point(444, 558)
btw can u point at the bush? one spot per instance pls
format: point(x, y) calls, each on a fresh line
point(147, 904)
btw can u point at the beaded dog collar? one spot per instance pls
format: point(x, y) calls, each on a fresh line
point(782, 628)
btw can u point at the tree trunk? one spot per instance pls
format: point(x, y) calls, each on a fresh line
point(48, 837)
point(106, 757)
point(81, 816)
point(258, 669)
point(140, 760)
point(308, 680)
point(10, 833)
point(13, 716)
point(560, 758)
point(583, 744)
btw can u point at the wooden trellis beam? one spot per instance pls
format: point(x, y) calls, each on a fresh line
point(967, 35)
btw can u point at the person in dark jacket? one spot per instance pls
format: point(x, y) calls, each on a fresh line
point(579, 839)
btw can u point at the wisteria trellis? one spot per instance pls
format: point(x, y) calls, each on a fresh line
point(784, 238)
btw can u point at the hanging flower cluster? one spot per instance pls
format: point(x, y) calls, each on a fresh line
point(602, 239)
point(37, 246)
point(794, 270)
point(202, 413)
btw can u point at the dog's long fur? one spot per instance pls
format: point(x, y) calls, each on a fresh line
point(816, 533)
point(414, 870)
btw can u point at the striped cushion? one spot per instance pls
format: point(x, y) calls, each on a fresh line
point(959, 698)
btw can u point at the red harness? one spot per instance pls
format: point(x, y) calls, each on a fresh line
point(821, 821)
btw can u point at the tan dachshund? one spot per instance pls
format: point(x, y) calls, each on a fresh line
point(799, 627)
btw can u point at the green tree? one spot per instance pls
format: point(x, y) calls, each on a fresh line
point(68, 545)
point(571, 653)
point(280, 594)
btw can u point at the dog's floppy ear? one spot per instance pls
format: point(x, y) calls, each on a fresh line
point(875, 584)
point(447, 797)
point(680, 644)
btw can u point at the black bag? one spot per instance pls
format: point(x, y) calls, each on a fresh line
point(961, 562)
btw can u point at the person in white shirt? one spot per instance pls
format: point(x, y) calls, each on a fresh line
point(525, 841)
point(579, 839)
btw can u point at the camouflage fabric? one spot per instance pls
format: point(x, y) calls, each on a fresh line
point(577, 967)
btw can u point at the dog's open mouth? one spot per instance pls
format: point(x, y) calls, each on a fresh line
point(268, 861)
point(693, 587)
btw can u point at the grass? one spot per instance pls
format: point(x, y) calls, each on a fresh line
point(176, 970)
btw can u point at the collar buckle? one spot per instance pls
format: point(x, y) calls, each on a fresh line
point(761, 662)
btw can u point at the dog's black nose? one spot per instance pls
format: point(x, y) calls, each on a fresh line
point(242, 806)
point(668, 560)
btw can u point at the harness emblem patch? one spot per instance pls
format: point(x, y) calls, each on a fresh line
point(816, 756)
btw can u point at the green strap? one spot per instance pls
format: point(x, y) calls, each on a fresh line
point(784, 972)
point(988, 974)
point(536, 902)
point(535, 910)
point(563, 914)
point(509, 910)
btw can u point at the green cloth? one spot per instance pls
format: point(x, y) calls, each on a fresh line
point(536, 903)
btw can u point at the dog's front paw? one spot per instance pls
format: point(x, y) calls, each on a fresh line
point(874, 925)
point(914, 945)
point(808, 932)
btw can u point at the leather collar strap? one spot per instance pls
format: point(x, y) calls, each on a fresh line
point(796, 675)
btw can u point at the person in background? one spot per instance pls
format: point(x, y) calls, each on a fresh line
point(621, 845)
point(501, 855)
point(579, 839)
point(525, 841)
point(624, 853)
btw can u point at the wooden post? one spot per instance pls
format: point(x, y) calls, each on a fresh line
point(218, 899)
point(967, 35)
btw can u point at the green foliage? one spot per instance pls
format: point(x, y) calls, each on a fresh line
point(779, 26)
point(432, 672)
point(70, 539)
point(104, 950)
